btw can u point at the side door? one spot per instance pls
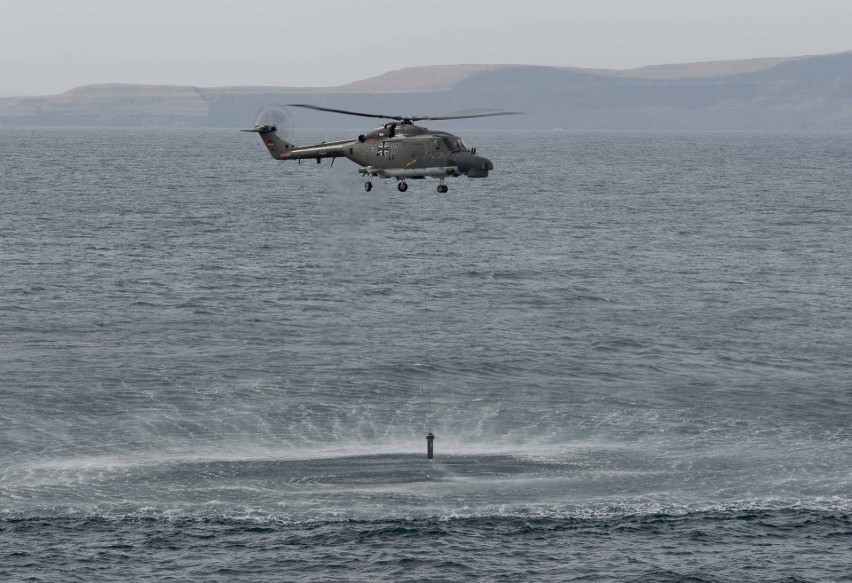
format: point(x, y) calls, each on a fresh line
point(417, 153)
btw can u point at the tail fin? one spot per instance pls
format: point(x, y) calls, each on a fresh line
point(278, 148)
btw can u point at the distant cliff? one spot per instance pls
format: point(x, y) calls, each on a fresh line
point(798, 93)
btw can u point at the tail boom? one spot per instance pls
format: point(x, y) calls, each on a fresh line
point(284, 150)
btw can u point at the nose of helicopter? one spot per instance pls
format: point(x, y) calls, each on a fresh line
point(474, 165)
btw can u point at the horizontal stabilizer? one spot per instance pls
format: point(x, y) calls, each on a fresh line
point(262, 129)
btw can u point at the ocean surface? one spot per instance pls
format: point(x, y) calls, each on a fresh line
point(634, 349)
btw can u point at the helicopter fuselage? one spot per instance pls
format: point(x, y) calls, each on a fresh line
point(395, 150)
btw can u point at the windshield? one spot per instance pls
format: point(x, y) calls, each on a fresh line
point(455, 145)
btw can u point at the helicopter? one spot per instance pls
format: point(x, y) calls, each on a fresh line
point(398, 149)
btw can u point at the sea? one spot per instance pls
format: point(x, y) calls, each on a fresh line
point(634, 351)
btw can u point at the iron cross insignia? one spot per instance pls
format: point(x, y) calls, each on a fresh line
point(383, 150)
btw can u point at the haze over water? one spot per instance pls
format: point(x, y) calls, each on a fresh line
point(213, 366)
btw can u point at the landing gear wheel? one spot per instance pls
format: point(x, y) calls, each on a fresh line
point(368, 186)
point(402, 186)
point(442, 188)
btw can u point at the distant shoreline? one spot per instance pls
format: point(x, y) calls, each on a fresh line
point(793, 93)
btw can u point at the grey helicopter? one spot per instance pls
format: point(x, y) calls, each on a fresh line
point(398, 149)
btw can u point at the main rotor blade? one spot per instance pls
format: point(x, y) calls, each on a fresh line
point(403, 117)
point(346, 112)
point(463, 116)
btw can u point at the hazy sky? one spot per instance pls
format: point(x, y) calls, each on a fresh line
point(49, 46)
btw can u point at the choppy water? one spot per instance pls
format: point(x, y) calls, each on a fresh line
point(213, 366)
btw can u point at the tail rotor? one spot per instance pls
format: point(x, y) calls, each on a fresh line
point(278, 119)
point(275, 126)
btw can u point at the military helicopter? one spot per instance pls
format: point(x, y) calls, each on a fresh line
point(398, 149)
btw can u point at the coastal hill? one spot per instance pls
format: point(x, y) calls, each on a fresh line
point(797, 93)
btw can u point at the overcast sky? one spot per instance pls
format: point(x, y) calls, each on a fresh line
point(49, 46)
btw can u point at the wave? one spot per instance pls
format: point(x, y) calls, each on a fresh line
point(838, 512)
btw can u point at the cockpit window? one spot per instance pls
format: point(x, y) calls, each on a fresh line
point(455, 145)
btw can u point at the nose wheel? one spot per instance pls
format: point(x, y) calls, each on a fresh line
point(402, 186)
point(442, 188)
point(368, 186)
